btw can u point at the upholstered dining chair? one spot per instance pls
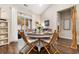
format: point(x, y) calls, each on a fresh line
point(28, 47)
point(50, 47)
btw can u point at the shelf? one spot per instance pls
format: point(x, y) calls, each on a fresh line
point(3, 44)
point(4, 33)
point(3, 27)
point(3, 21)
point(3, 39)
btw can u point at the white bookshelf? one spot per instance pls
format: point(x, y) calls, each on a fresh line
point(3, 32)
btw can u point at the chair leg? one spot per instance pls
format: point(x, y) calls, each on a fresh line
point(56, 50)
point(35, 49)
point(21, 50)
point(47, 50)
point(30, 50)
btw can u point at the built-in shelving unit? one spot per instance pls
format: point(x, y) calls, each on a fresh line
point(3, 32)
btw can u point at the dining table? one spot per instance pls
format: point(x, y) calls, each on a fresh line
point(39, 37)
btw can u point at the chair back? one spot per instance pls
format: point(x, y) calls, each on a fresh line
point(24, 37)
point(54, 38)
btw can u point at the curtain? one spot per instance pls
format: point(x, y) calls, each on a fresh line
point(74, 38)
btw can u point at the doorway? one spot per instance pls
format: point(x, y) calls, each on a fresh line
point(67, 27)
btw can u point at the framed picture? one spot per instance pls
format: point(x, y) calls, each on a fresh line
point(67, 24)
point(46, 22)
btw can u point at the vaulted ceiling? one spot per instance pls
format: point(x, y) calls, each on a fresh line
point(34, 8)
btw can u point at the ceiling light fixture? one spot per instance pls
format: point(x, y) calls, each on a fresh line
point(25, 5)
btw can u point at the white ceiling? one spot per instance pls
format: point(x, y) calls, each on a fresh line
point(34, 8)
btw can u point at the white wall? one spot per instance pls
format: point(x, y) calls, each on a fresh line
point(13, 27)
point(9, 12)
point(51, 14)
point(4, 11)
point(29, 14)
point(34, 19)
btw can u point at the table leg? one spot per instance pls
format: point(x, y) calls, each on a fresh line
point(39, 47)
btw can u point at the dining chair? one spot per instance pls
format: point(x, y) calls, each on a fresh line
point(50, 47)
point(28, 47)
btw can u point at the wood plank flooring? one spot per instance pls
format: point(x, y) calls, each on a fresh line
point(12, 48)
point(9, 49)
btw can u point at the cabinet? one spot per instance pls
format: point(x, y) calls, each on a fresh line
point(3, 32)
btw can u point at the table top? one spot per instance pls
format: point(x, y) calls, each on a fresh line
point(41, 36)
point(32, 37)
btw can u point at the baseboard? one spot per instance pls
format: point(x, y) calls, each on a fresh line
point(64, 38)
point(13, 42)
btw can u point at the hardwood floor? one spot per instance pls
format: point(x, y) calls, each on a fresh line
point(9, 49)
point(65, 46)
point(12, 48)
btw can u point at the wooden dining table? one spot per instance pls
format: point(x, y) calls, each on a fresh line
point(39, 37)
